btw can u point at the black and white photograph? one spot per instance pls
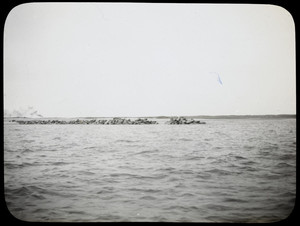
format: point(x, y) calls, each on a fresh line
point(149, 112)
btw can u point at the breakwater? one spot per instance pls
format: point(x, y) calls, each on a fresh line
point(113, 121)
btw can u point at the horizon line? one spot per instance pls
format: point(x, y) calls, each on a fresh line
point(162, 116)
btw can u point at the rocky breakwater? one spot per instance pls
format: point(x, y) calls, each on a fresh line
point(114, 121)
point(183, 120)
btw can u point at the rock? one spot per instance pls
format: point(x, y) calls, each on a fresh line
point(182, 120)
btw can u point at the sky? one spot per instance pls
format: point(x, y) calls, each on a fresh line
point(148, 59)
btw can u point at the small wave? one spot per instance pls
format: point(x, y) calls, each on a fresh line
point(248, 147)
point(63, 195)
point(72, 144)
point(40, 210)
point(219, 207)
point(187, 172)
point(91, 147)
point(87, 173)
point(27, 151)
point(159, 176)
point(270, 147)
point(280, 206)
point(239, 157)
point(34, 191)
point(27, 141)
point(180, 208)
point(167, 169)
point(234, 200)
point(8, 165)
point(248, 168)
point(270, 176)
point(148, 197)
point(125, 141)
point(185, 139)
point(22, 191)
point(187, 195)
point(194, 158)
point(287, 194)
point(287, 157)
point(38, 196)
point(79, 212)
point(146, 152)
point(292, 145)
point(154, 177)
point(145, 190)
point(105, 191)
point(18, 166)
point(173, 179)
point(204, 176)
point(219, 172)
point(18, 209)
point(122, 175)
point(108, 197)
point(60, 163)
point(249, 162)
point(16, 129)
point(109, 217)
point(180, 185)
point(210, 157)
point(159, 219)
point(108, 188)
point(283, 164)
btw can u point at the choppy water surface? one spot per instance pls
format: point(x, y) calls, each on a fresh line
point(225, 171)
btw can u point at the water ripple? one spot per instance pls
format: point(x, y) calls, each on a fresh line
point(229, 171)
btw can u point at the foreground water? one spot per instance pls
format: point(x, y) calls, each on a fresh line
point(225, 171)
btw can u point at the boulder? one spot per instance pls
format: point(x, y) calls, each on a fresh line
point(183, 120)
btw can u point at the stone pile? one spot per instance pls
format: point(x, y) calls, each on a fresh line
point(123, 121)
point(182, 120)
point(114, 121)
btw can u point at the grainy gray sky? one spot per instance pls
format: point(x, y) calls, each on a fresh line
point(125, 59)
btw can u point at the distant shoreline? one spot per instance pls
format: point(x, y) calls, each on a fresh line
point(279, 116)
point(244, 116)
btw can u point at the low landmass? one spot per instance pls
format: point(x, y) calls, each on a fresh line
point(244, 116)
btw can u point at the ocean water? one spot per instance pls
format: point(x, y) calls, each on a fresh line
point(229, 170)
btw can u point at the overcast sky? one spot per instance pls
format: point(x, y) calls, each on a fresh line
point(125, 59)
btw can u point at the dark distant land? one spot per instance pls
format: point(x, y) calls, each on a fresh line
point(233, 116)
